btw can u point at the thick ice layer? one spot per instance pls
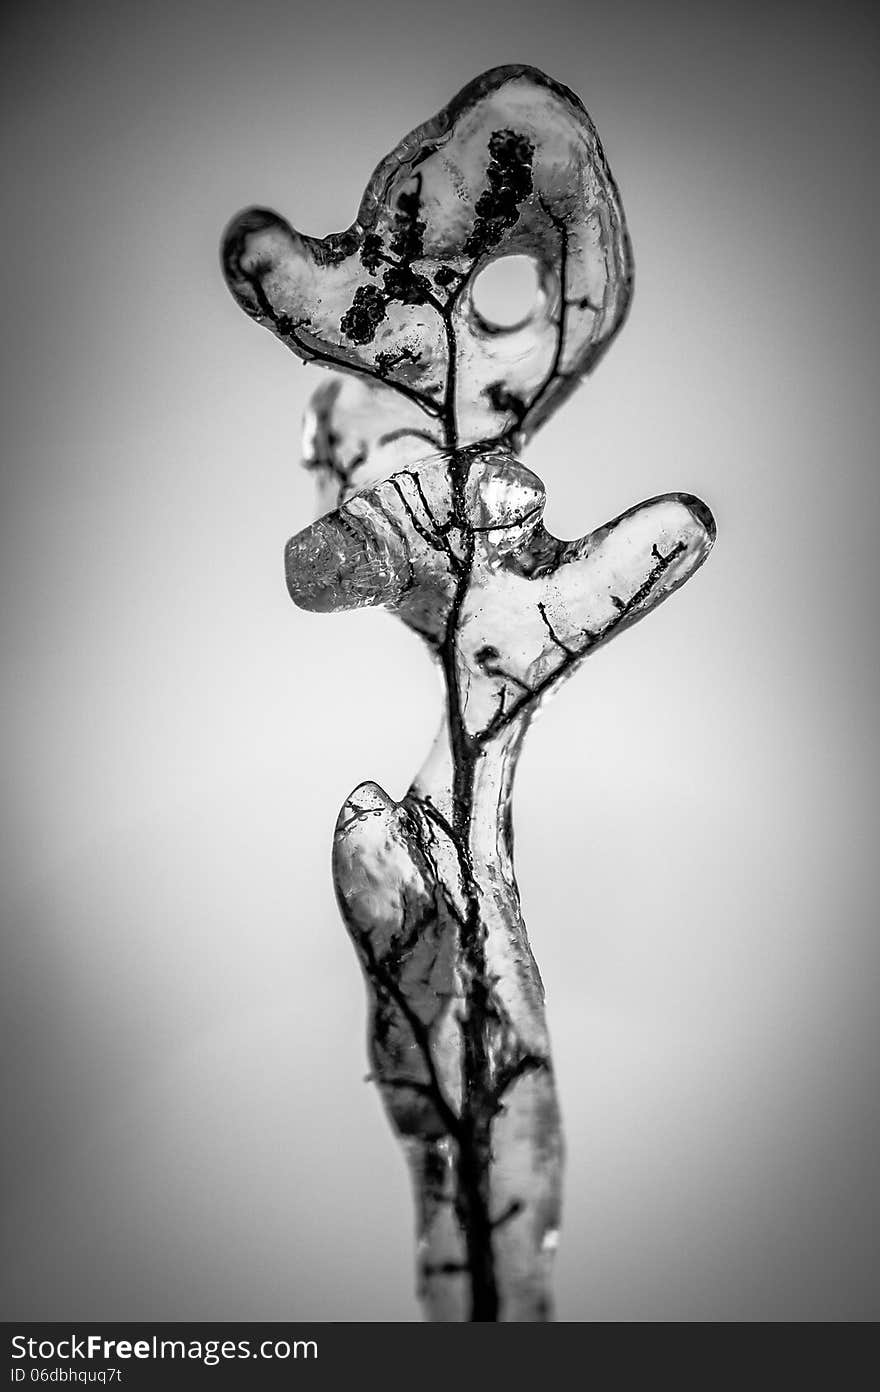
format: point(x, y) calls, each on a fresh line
point(512, 167)
point(427, 512)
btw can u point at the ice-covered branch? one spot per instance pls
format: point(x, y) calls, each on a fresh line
point(428, 513)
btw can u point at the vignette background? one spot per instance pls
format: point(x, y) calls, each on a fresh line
point(187, 1132)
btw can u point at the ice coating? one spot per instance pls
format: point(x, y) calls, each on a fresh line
point(512, 167)
point(426, 511)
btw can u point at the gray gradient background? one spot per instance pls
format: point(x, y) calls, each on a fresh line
point(187, 1132)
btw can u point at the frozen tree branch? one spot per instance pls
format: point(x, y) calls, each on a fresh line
point(428, 513)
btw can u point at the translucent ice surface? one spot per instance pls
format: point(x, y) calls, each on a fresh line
point(487, 270)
